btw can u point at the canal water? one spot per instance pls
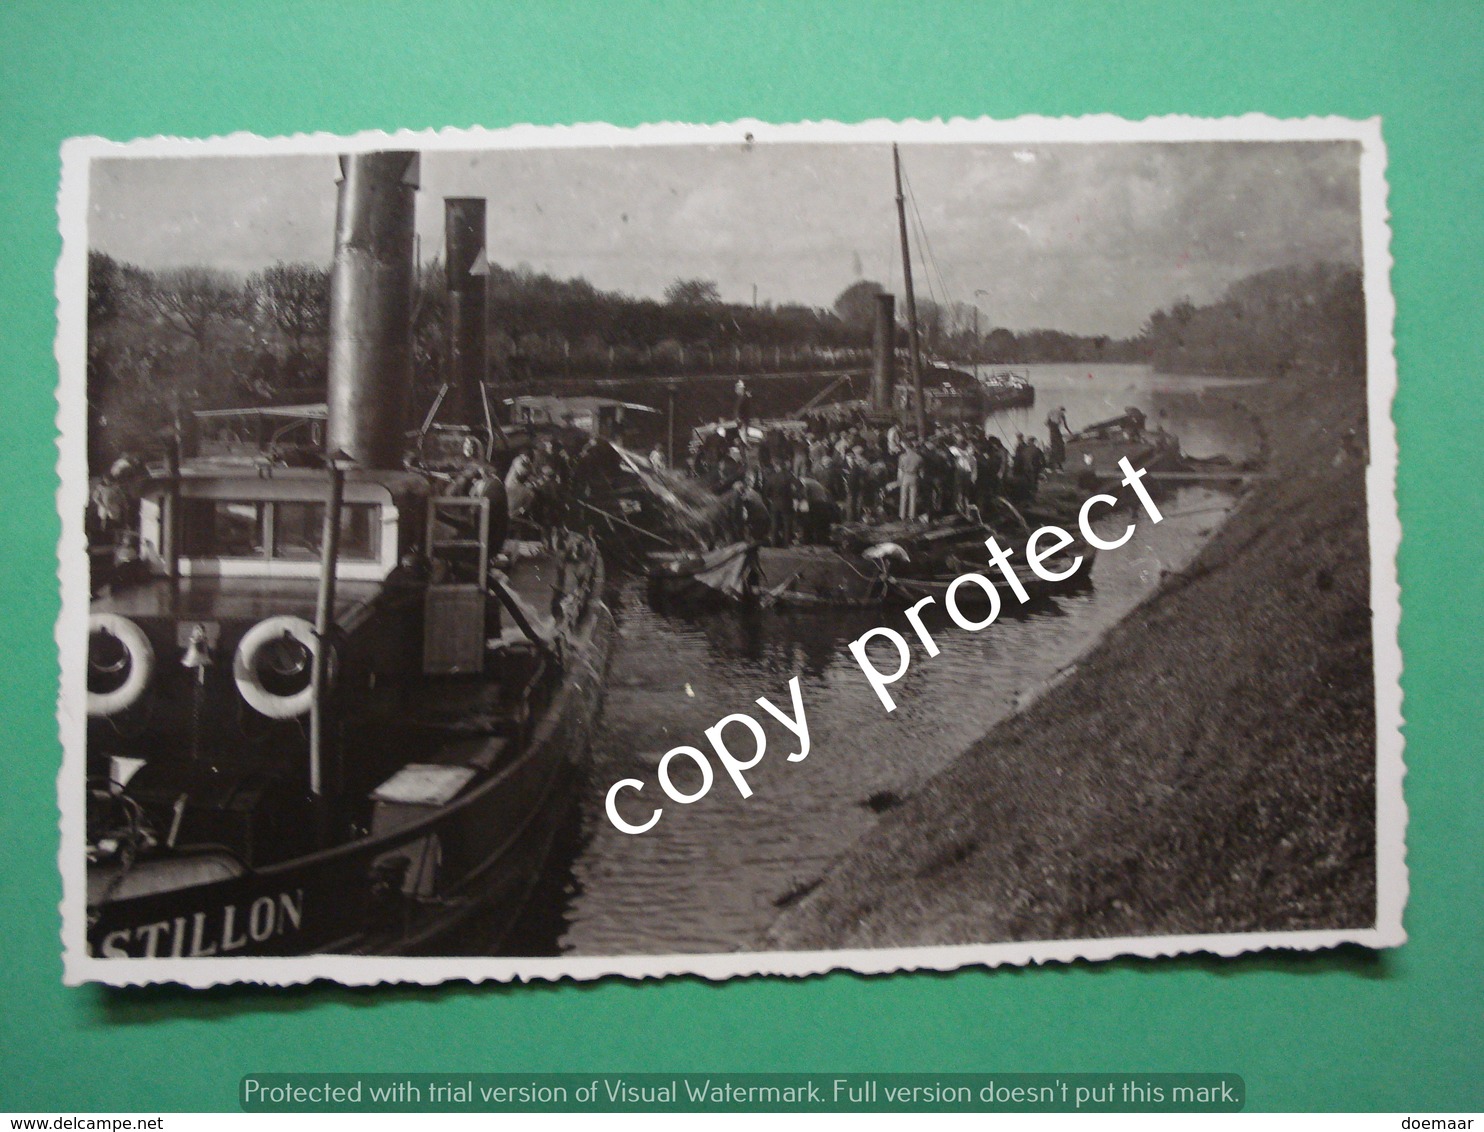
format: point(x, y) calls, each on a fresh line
point(712, 875)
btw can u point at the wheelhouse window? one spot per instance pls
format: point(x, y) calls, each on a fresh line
point(282, 530)
point(298, 529)
point(222, 528)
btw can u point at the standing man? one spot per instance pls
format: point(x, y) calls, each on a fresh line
point(963, 474)
point(1023, 468)
point(749, 512)
point(744, 409)
point(986, 479)
point(816, 512)
point(997, 458)
point(108, 505)
point(1037, 466)
point(488, 485)
point(1056, 425)
point(779, 489)
point(909, 471)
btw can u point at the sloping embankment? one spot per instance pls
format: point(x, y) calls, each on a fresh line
point(1208, 768)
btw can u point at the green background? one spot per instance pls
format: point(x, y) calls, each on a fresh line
point(1342, 1030)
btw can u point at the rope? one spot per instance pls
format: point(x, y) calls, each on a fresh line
point(615, 519)
point(930, 259)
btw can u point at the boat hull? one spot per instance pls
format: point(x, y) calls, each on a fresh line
point(821, 577)
point(729, 573)
point(973, 596)
point(1013, 397)
point(475, 856)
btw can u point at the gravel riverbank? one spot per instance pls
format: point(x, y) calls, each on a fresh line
point(1208, 767)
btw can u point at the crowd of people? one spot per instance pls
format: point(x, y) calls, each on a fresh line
point(789, 482)
point(558, 482)
point(551, 482)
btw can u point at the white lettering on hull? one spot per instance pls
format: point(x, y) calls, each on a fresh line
point(224, 930)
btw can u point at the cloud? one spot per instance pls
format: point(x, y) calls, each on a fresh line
point(1083, 237)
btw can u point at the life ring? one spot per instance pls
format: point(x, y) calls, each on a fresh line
point(138, 656)
point(255, 683)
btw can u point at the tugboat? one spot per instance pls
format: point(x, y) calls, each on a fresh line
point(331, 710)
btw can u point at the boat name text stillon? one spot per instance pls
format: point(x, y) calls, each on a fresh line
point(220, 931)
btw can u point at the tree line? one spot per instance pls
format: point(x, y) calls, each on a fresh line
point(1306, 319)
point(163, 343)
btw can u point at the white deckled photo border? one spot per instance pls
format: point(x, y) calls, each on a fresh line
point(77, 156)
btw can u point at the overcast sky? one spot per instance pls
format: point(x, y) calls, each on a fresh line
point(1088, 238)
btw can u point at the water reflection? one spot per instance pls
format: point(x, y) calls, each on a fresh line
point(1196, 409)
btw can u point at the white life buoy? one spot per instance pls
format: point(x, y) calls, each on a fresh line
point(247, 668)
point(139, 658)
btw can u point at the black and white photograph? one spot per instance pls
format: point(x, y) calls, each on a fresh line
point(726, 550)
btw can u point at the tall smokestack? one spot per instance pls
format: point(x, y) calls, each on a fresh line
point(371, 308)
point(884, 354)
point(467, 269)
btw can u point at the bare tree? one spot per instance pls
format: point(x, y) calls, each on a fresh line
point(200, 305)
point(105, 279)
point(429, 326)
point(193, 301)
point(693, 293)
point(294, 298)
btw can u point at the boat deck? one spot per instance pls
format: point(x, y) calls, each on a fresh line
point(475, 720)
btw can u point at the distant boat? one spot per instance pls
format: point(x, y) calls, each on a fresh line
point(937, 393)
point(944, 399)
point(1004, 388)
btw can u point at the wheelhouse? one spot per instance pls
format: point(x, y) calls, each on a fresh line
point(271, 525)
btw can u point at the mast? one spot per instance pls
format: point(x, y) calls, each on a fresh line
point(914, 364)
